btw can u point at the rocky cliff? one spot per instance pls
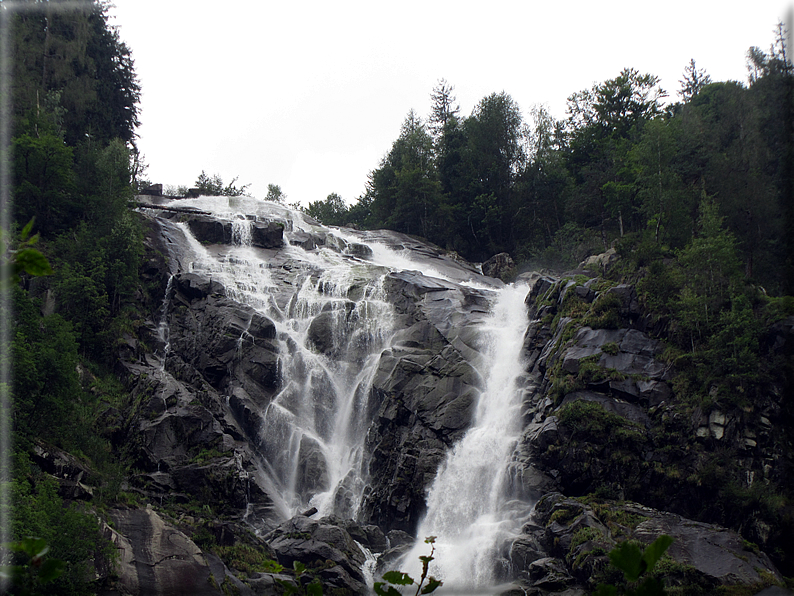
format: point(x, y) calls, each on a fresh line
point(293, 394)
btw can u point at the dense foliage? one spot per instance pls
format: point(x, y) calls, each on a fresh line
point(622, 164)
point(75, 109)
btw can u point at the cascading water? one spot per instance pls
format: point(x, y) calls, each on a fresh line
point(466, 504)
point(163, 332)
point(330, 331)
point(333, 321)
point(315, 426)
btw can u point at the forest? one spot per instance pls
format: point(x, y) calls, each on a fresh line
point(625, 166)
point(694, 190)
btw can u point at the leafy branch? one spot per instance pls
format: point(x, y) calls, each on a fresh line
point(25, 258)
point(398, 578)
point(36, 571)
point(635, 564)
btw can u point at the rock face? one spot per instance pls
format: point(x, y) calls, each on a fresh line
point(606, 419)
point(565, 546)
point(207, 372)
point(426, 387)
point(500, 266)
point(189, 439)
point(156, 558)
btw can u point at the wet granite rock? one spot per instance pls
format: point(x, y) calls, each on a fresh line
point(157, 558)
point(312, 472)
point(425, 391)
point(500, 266)
point(575, 536)
point(550, 574)
point(208, 229)
point(267, 234)
point(323, 545)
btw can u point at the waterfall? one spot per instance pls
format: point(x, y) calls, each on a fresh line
point(315, 426)
point(331, 331)
point(333, 322)
point(466, 503)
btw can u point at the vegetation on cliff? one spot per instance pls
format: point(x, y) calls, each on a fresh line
point(75, 108)
point(623, 165)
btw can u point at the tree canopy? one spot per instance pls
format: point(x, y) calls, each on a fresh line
point(622, 163)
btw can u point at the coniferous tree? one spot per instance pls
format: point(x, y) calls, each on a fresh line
point(443, 109)
point(694, 80)
point(68, 59)
point(405, 189)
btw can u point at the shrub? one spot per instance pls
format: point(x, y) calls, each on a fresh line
point(605, 312)
point(73, 534)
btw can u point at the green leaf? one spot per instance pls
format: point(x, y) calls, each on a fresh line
point(273, 567)
point(299, 568)
point(425, 558)
point(606, 590)
point(398, 578)
point(314, 589)
point(655, 550)
point(32, 262)
point(628, 558)
point(26, 230)
point(33, 240)
point(51, 569)
point(390, 591)
point(432, 584)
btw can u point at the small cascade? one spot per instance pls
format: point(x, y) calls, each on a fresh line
point(466, 504)
point(163, 330)
point(368, 568)
point(241, 231)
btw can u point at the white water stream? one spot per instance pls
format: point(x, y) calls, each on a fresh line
point(313, 430)
point(466, 502)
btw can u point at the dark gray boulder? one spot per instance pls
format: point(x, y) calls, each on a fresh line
point(719, 555)
point(157, 558)
point(210, 230)
point(575, 536)
point(500, 266)
point(267, 234)
point(325, 547)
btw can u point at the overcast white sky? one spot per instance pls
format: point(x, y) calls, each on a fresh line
point(310, 95)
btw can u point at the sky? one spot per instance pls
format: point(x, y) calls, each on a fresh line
point(310, 95)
